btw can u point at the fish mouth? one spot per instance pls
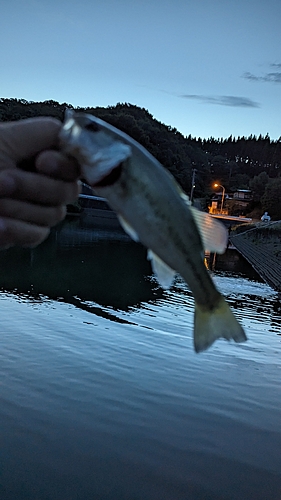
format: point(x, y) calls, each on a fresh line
point(110, 179)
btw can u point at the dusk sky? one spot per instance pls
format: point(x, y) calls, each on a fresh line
point(206, 67)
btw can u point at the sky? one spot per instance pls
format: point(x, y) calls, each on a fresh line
point(205, 67)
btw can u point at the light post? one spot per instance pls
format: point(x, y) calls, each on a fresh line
point(192, 184)
point(223, 193)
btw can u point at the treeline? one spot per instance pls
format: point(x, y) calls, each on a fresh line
point(232, 162)
point(168, 145)
point(248, 156)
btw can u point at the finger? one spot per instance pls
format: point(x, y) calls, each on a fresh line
point(57, 165)
point(15, 232)
point(25, 138)
point(28, 212)
point(37, 188)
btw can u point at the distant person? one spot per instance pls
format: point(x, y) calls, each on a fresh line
point(32, 202)
point(265, 217)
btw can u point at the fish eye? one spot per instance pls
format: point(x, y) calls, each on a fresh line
point(92, 127)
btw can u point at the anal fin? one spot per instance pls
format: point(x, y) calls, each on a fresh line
point(165, 275)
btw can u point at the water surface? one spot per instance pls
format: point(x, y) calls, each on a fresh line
point(103, 397)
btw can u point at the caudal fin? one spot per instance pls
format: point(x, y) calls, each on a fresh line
point(211, 325)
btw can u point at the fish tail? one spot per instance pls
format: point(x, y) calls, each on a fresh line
point(211, 325)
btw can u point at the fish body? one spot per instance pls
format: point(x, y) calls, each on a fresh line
point(153, 209)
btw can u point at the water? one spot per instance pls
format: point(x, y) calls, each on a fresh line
point(101, 393)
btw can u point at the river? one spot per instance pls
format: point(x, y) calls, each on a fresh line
point(102, 396)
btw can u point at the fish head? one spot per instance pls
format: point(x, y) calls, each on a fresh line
point(94, 144)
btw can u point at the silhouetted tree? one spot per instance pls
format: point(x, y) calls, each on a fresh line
point(271, 199)
point(258, 185)
point(236, 163)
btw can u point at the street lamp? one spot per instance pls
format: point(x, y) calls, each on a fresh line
point(192, 184)
point(223, 193)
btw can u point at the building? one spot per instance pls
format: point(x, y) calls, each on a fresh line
point(243, 196)
point(235, 203)
point(216, 202)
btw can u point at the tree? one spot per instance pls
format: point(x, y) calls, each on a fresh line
point(271, 199)
point(240, 181)
point(258, 185)
point(232, 162)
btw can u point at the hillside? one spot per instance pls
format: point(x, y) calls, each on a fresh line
point(236, 163)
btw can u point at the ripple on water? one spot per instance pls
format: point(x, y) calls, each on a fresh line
point(105, 402)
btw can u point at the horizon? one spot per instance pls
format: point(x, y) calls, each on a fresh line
point(251, 136)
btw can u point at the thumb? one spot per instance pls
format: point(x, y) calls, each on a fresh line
point(25, 138)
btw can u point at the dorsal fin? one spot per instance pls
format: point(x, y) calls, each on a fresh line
point(213, 233)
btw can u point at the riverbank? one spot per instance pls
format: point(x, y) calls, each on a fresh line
point(260, 245)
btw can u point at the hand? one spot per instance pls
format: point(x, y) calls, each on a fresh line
point(32, 202)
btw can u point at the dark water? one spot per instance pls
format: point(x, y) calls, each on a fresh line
point(102, 396)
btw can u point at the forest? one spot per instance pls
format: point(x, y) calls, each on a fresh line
point(236, 162)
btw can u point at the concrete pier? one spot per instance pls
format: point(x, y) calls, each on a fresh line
point(260, 245)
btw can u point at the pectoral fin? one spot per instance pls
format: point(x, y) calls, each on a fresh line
point(128, 228)
point(165, 275)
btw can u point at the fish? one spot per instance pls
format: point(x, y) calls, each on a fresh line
point(153, 209)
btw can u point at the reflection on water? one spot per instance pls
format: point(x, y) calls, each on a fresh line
point(101, 393)
point(111, 273)
point(231, 261)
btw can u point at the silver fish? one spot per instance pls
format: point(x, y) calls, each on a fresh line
point(153, 209)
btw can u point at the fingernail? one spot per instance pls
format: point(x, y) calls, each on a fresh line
point(48, 161)
point(53, 165)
